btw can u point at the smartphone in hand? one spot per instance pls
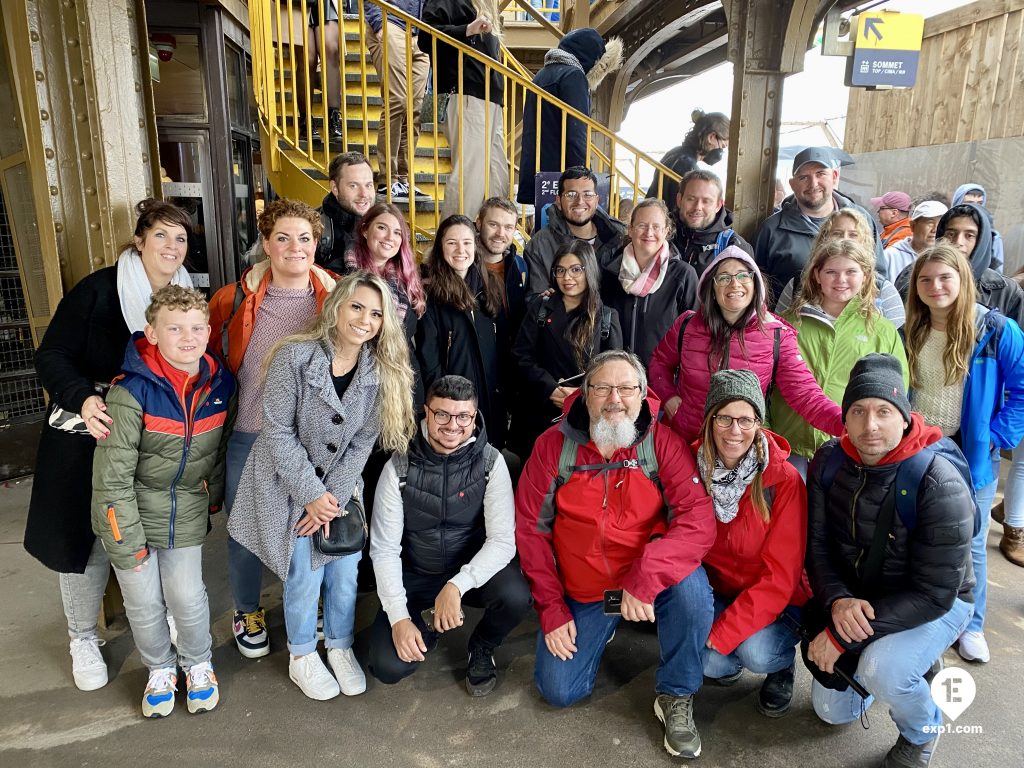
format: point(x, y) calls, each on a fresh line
point(613, 602)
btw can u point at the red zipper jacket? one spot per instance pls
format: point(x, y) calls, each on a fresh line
point(608, 529)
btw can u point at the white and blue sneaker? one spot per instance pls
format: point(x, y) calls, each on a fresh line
point(203, 693)
point(158, 700)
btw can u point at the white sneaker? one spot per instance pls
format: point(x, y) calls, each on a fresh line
point(973, 647)
point(347, 670)
point(399, 190)
point(87, 664)
point(173, 629)
point(309, 673)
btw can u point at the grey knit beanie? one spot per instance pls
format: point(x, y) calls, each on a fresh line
point(877, 375)
point(735, 384)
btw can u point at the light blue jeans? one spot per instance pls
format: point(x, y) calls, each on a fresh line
point(302, 593)
point(893, 669)
point(1013, 494)
point(979, 549)
point(82, 593)
point(771, 649)
point(170, 581)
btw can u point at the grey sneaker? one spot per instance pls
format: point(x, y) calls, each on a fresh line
point(907, 755)
point(676, 714)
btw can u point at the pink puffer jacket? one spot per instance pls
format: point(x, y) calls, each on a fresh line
point(793, 381)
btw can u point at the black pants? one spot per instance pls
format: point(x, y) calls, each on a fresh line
point(505, 599)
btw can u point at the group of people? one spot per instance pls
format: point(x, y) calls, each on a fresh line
point(612, 425)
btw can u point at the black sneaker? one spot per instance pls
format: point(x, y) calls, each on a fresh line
point(726, 681)
point(676, 714)
point(250, 630)
point(334, 131)
point(776, 693)
point(482, 675)
point(907, 755)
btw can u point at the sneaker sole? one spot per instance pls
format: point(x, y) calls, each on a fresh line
point(309, 695)
point(668, 747)
point(88, 685)
point(201, 707)
point(253, 653)
point(483, 689)
point(773, 712)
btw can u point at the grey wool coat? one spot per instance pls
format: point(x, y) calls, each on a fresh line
point(311, 442)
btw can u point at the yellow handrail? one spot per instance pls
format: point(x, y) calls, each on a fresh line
point(605, 152)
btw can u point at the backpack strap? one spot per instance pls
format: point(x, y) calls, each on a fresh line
point(606, 323)
point(491, 455)
point(521, 267)
point(566, 460)
point(832, 464)
point(908, 481)
point(239, 298)
point(325, 247)
point(679, 340)
point(401, 461)
point(876, 552)
point(722, 241)
point(776, 345)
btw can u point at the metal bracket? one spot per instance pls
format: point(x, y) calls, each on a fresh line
point(836, 27)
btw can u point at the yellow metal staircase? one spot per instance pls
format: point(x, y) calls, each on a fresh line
point(296, 163)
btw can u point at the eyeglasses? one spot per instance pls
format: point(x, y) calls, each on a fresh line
point(574, 270)
point(625, 391)
point(724, 422)
point(655, 228)
point(740, 277)
point(443, 417)
point(573, 194)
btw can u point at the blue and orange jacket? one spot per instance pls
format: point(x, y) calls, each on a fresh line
point(160, 472)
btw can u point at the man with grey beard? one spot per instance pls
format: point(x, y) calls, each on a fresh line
point(612, 522)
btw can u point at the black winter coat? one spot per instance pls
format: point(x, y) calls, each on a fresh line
point(452, 17)
point(923, 571)
point(450, 341)
point(443, 501)
point(344, 235)
point(85, 343)
point(544, 356)
point(569, 84)
point(645, 320)
point(682, 160)
point(697, 246)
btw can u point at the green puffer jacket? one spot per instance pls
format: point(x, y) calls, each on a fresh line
point(830, 348)
point(160, 472)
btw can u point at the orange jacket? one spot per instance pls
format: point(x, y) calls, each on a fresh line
point(898, 230)
point(254, 283)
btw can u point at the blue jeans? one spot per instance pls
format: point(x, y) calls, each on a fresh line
point(893, 669)
point(245, 571)
point(1013, 493)
point(979, 549)
point(302, 593)
point(169, 582)
point(771, 649)
point(683, 611)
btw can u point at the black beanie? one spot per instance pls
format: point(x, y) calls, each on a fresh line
point(877, 375)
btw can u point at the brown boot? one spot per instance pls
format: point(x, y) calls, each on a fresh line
point(1012, 544)
point(998, 514)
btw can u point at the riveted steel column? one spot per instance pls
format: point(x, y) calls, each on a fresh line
point(94, 126)
point(767, 39)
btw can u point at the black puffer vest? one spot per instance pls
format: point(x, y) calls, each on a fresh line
point(443, 499)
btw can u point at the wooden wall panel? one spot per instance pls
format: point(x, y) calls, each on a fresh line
point(970, 85)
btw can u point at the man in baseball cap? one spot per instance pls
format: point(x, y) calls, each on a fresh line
point(783, 243)
point(924, 220)
point(894, 214)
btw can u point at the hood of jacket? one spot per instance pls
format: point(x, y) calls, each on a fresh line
point(732, 252)
point(981, 256)
point(259, 273)
point(576, 418)
point(143, 359)
point(607, 227)
point(917, 438)
point(963, 189)
point(586, 45)
point(473, 446)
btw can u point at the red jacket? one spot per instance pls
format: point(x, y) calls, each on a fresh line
point(759, 564)
point(608, 530)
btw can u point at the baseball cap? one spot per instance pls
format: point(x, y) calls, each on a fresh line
point(821, 155)
point(928, 209)
point(899, 200)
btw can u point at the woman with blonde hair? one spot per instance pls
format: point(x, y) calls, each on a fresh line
point(966, 367)
point(848, 224)
point(837, 323)
point(330, 394)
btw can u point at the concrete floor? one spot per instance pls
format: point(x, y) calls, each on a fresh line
point(429, 721)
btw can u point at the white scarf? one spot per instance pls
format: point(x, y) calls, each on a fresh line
point(134, 289)
point(728, 485)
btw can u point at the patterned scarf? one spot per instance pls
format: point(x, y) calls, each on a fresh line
point(558, 56)
point(637, 282)
point(728, 485)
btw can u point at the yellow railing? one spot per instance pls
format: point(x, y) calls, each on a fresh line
point(283, 95)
